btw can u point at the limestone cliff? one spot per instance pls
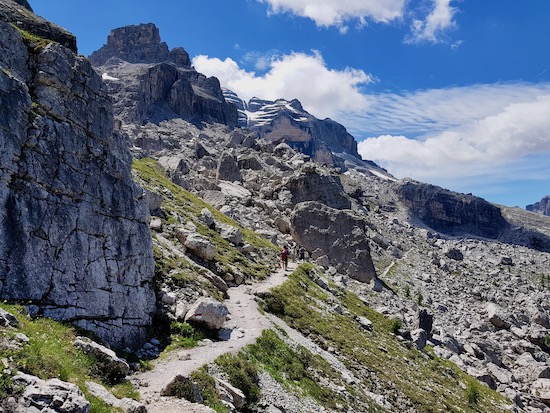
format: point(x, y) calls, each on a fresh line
point(74, 239)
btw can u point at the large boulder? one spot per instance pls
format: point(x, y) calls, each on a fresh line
point(228, 168)
point(497, 316)
point(7, 319)
point(313, 185)
point(198, 245)
point(48, 396)
point(541, 389)
point(108, 364)
point(339, 235)
point(208, 311)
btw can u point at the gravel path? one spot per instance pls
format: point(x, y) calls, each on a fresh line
point(244, 326)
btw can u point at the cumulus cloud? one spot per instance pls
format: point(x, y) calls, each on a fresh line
point(433, 28)
point(507, 143)
point(426, 26)
point(326, 13)
point(324, 92)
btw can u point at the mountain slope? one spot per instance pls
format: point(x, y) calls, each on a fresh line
point(428, 251)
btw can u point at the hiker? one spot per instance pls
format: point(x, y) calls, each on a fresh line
point(284, 257)
point(301, 253)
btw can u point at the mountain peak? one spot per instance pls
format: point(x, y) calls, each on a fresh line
point(285, 120)
point(139, 44)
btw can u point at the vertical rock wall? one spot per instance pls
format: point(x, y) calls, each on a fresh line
point(74, 239)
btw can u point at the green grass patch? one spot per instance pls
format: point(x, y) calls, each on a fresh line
point(50, 353)
point(208, 389)
point(242, 374)
point(184, 335)
point(33, 42)
point(295, 368)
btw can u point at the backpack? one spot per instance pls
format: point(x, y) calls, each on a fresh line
point(284, 254)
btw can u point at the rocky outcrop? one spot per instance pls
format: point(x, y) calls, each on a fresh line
point(450, 212)
point(151, 83)
point(138, 44)
point(541, 207)
point(20, 14)
point(47, 396)
point(107, 365)
point(313, 185)
point(126, 405)
point(340, 236)
point(74, 236)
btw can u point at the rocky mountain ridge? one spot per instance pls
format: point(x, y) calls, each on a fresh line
point(287, 121)
point(420, 239)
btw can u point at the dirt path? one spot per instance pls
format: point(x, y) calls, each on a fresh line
point(245, 325)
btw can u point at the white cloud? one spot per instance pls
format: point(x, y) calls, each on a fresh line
point(433, 111)
point(433, 28)
point(426, 26)
point(507, 143)
point(338, 13)
point(323, 92)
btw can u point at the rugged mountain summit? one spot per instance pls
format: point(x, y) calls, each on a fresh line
point(74, 241)
point(139, 44)
point(150, 83)
point(541, 207)
point(326, 141)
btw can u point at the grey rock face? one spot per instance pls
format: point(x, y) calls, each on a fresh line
point(25, 4)
point(451, 213)
point(74, 237)
point(541, 207)
point(17, 12)
point(340, 235)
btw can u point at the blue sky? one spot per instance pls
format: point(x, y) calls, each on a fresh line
point(450, 92)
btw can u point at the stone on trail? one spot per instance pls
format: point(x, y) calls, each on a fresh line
point(208, 311)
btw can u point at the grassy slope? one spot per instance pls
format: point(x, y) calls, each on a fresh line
point(420, 380)
point(181, 206)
